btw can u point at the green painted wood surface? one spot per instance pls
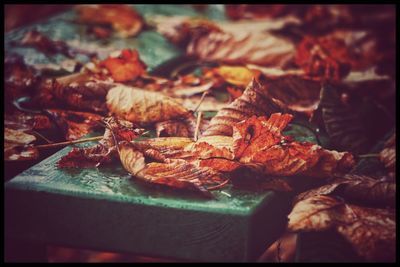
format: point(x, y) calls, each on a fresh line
point(106, 209)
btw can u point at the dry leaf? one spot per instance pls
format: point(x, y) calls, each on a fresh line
point(372, 232)
point(142, 106)
point(123, 19)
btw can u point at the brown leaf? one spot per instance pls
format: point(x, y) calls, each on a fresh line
point(370, 231)
point(142, 106)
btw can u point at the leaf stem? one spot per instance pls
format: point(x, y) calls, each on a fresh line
point(96, 138)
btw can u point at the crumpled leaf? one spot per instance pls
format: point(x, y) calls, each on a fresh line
point(122, 18)
point(126, 67)
point(372, 232)
point(142, 106)
point(258, 141)
point(358, 189)
point(178, 174)
point(105, 150)
point(16, 145)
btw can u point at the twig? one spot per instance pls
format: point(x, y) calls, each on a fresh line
point(96, 138)
point(278, 250)
point(369, 156)
point(41, 136)
point(219, 185)
point(196, 131)
point(201, 101)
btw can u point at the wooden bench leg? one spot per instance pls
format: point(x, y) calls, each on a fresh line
point(16, 250)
